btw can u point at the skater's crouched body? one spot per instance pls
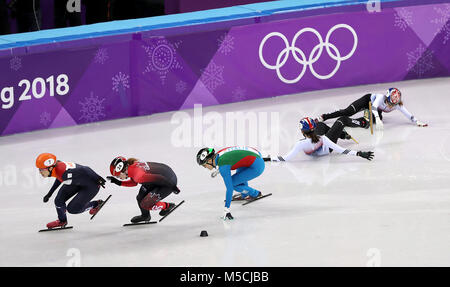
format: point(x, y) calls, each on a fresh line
point(80, 182)
point(158, 181)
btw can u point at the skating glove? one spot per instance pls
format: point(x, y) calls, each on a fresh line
point(273, 159)
point(420, 124)
point(379, 124)
point(227, 214)
point(101, 182)
point(176, 190)
point(114, 180)
point(215, 173)
point(365, 154)
point(47, 197)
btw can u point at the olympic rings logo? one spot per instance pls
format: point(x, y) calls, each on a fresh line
point(316, 53)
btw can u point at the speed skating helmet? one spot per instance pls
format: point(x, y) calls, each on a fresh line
point(204, 154)
point(394, 96)
point(45, 160)
point(118, 165)
point(307, 124)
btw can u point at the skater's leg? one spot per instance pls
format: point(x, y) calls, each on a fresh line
point(82, 201)
point(353, 108)
point(321, 128)
point(152, 201)
point(242, 176)
point(336, 130)
point(143, 192)
point(64, 194)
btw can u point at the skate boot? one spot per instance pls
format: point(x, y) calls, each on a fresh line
point(169, 207)
point(254, 197)
point(239, 197)
point(347, 136)
point(55, 224)
point(94, 210)
point(141, 218)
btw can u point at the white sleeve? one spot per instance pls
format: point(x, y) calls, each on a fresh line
point(407, 114)
point(378, 101)
point(336, 147)
point(299, 146)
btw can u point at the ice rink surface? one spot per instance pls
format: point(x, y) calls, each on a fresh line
point(336, 210)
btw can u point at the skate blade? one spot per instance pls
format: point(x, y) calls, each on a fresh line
point(258, 198)
point(176, 206)
point(100, 208)
point(140, 223)
point(55, 229)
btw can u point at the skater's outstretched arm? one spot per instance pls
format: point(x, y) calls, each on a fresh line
point(410, 116)
point(298, 147)
point(367, 155)
point(55, 185)
point(225, 172)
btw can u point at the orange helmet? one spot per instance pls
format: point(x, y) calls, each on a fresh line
point(45, 160)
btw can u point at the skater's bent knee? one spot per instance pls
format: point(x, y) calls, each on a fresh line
point(75, 208)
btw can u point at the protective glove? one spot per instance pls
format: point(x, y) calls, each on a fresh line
point(176, 190)
point(379, 124)
point(227, 214)
point(365, 154)
point(420, 124)
point(47, 197)
point(101, 182)
point(215, 173)
point(114, 180)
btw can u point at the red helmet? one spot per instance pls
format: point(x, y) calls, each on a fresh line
point(118, 165)
point(45, 160)
point(394, 96)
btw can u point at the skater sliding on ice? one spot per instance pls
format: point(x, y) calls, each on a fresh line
point(388, 102)
point(79, 181)
point(316, 145)
point(248, 164)
point(157, 182)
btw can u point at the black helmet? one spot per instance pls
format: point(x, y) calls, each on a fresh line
point(204, 154)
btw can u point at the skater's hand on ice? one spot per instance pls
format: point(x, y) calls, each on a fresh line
point(379, 124)
point(365, 154)
point(227, 214)
point(420, 124)
point(114, 180)
point(215, 173)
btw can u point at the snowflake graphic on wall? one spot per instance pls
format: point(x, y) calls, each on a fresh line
point(92, 108)
point(45, 119)
point(444, 16)
point(212, 76)
point(162, 58)
point(226, 44)
point(420, 60)
point(180, 87)
point(238, 94)
point(120, 82)
point(15, 63)
point(101, 56)
point(403, 19)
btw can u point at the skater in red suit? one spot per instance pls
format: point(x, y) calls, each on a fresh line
point(79, 181)
point(157, 182)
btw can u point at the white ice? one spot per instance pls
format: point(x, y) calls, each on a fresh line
point(331, 211)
